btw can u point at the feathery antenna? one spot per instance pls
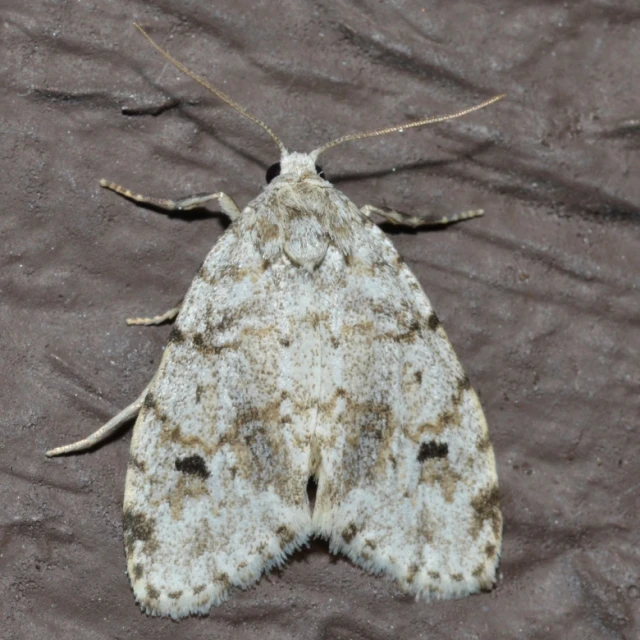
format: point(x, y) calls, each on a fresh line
point(223, 96)
point(402, 127)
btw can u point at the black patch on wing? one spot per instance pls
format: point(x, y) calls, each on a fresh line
point(433, 322)
point(193, 465)
point(433, 449)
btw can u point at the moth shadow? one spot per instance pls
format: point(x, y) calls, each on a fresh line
point(362, 176)
point(451, 168)
point(192, 215)
point(397, 229)
point(185, 110)
point(313, 547)
point(440, 166)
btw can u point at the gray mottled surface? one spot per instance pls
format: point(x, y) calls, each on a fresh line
point(540, 297)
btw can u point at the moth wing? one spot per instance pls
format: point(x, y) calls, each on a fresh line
point(216, 485)
point(407, 483)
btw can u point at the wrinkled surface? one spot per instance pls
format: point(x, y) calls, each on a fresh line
point(539, 297)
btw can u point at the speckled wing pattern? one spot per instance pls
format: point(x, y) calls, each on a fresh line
point(407, 484)
point(216, 485)
point(306, 348)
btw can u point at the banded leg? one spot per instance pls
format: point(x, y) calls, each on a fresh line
point(228, 206)
point(405, 219)
point(167, 316)
point(105, 430)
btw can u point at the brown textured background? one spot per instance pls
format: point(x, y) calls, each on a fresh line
point(540, 297)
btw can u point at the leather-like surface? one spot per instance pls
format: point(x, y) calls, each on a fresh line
point(539, 297)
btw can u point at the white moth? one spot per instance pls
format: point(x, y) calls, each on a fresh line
point(304, 348)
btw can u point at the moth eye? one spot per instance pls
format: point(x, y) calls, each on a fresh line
point(320, 171)
point(273, 172)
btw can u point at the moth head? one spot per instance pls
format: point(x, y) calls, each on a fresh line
point(295, 165)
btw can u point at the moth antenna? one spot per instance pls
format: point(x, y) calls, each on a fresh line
point(223, 96)
point(402, 127)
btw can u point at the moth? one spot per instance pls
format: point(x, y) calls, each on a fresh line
point(304, 349)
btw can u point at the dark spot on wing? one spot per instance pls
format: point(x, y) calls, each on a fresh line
point(152, 593)
point(414, 329)
point(432, 322)
point(176, 336)
point(349, 533)
point(486, 506)
point(464, 383)
point(193, 465)
point(286, 535)
point(223, 578)
point(138, 464)
point(478, 571)
point(412, 572)
point(432, 449)
point(137, 571)
point(408, 336)
point(484, 442)
point(198, 341)
point(137, 526)
point(149, 401)
point(285, 342)
point(418, 377)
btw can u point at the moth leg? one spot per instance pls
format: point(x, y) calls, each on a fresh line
point(405, 219)
point(105, 430)
point(228, 206)
point(167, 316)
